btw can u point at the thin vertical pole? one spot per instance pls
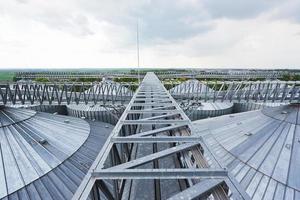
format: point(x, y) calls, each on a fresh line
point(138, 49)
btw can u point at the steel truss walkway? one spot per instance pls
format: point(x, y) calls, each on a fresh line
point(65, 93)
point(93, 93)
point(239, 91)
point(154, 153)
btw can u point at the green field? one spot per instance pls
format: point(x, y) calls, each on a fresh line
point(6, 75)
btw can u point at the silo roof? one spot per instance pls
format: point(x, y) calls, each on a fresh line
point(260, 148)
point(45, 156)
point(9, 116)
point(214, 105)
point(110, 88)
point(190, 86)
point(83, 107)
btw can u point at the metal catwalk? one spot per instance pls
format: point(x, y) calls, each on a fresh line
point(154, 153)
point(111, 92)
point(162, 74)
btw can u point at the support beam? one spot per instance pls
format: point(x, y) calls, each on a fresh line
point(157, 131)
point(104, 189)
point(141, 121)
point(153, 111)
point(157, 139)
point(198, 189)
point(160, 173)
point(161, 154)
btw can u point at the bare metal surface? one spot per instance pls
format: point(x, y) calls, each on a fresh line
point(149, 151)
point(77, 93)
point(260, 149)
point(34, 146)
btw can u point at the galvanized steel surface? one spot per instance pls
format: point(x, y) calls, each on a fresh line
point(151, 112)
point(261, 148)
point(105, 113)
point(75, 93)
point(34, 146)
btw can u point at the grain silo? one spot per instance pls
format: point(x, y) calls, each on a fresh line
point(105, 113)
point(188, 94)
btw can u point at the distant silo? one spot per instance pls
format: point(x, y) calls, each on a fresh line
point(192, 90)
point(109, 114)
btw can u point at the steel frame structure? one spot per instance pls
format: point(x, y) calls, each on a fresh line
point(239, 91)
point(65, 93)
point(170, 74)
point(93, 93)
point(153, 117)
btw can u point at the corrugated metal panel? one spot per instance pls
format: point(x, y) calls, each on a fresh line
point(33, 145)
point(95, 112)
point(190, 87)
point(62, 181)
point(261, 148)
point(210, 110)
point(9, 116)
point(243, 107)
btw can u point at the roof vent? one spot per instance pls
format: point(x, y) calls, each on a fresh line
point(288, 146)
point(42, 141)
point(248, 134)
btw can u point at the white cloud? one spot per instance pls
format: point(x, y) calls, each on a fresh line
point(78, 33)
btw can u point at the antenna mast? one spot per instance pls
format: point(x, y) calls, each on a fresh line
point(138, 48)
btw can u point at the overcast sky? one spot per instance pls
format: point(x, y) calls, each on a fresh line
point(173, 33)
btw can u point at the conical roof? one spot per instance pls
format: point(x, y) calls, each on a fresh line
point(190, 86)
point(40, 154)
point(214, 106)
point(260, 148)
point(9, 116)
point(109, 87)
